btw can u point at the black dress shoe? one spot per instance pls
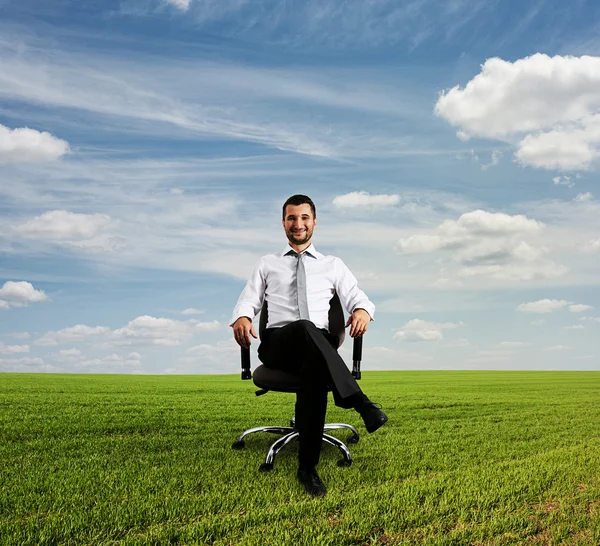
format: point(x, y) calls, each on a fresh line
point(312, 483)
point(372, 416)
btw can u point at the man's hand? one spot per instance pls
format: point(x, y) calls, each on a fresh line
point(242, 329)
point(360, 322)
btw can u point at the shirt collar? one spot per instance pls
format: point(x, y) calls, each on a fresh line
point(310, 250)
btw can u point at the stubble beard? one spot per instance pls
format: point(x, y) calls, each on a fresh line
point(292, 238)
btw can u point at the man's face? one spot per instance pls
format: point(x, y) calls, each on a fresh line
point(299, 223)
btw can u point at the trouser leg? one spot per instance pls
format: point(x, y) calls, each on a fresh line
point(311, 407)
point(302, 348)
point(291, 347)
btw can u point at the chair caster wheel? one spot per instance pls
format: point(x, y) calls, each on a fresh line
point(344, 462)
point(265, 467)
point(240, 444)
point(353, 439)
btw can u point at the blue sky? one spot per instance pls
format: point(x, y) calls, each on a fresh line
point(451, 148)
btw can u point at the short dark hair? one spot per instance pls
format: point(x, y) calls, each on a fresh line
point(299, 199)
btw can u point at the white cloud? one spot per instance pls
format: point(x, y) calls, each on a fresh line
point(13, 349)
point(183, 5)
point(591, 319)
point(421, 330)
point(562, 149)
point(365, 199)
point(496, 157)
point(542, 306)
point(557, 348)
point(76, 231)
point(538, 322)
point(24, 145)
point(26, 364)
point(113, 363)
point(552, 101)
point(582, 197)
point(575, 327)
point(20, 294)
point(69, 352)
point(68, 356)
point(592, 246)
point(20, 335)
point(579, 307)
point(141, 331)
point(155, 331)
point(470, 228)
point(512, 344)
point(221, 357)
point(209, 326)
point(489, 244)
point(192, 311)
point(74, 334)
point(63, 225)
point(563, 181)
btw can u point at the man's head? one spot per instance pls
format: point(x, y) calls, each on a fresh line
point(299, 220)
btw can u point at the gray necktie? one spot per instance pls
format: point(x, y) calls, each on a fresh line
point(301, 297)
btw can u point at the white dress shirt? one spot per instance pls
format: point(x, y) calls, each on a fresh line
point(273, 278)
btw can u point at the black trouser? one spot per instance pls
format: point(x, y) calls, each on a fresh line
point(302, 348)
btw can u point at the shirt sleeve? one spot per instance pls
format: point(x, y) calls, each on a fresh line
point(251, 299)
point(351, 296)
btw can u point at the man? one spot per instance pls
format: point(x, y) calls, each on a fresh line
point(298, 284)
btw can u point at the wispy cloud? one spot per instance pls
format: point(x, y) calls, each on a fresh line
point(340, 24)
point(206, 99)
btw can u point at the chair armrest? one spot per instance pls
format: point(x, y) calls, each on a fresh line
point(357, 357)
point(246, 373)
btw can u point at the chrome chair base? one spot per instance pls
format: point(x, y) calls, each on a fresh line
point(291, 433)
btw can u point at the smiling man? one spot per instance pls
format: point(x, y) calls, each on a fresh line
point(298, 284)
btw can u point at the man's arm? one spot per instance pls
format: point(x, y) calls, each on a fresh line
point(242, 330)
point(354, 300)
point(248, 305)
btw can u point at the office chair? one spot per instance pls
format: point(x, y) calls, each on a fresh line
point(267, 379)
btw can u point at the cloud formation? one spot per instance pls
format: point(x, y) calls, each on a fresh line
point(142, 331)
point(26, 364)
point(421, 330)
point(24, 145)
point(183, 5)
point(579, 307)
point(542, 306)
point(73, 334)
point(548, 306)
point(365, 199)
point(495, 245)
point(90, 232)
point(20, 294)
point(549, 103)
point(13, 349)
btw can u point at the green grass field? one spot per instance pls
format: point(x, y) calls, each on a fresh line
point(482, 458)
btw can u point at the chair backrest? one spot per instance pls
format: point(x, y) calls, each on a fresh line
point(336, 319)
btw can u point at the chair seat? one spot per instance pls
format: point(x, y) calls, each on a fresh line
point(275, 380)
